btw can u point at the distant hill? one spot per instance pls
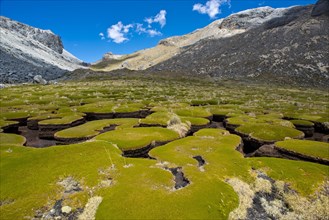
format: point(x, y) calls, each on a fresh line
point(289, 49)
point(27, 51)
point(167, 48)
point(285, 46)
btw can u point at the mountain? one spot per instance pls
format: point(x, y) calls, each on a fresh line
point(285, 46)
point(291, 49)
point(27, 51)
point(172, 46)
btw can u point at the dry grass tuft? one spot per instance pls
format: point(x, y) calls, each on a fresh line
point(175, 124)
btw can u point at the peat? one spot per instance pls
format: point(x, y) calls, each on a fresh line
point(33, 140)
point(180, 180)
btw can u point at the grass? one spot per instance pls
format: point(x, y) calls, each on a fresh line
point(162, 118)
point(210, 132)
point(259, 119)
point(143, 188)
point(6, 123)
point(37, 186)
point(93, 128)
point(309, 148)
point(135, 138)
point(304, 177)
point(197, 112)
point(11, 139)
point(269, 133)
point(61, 121)
point(14, 115)
point(302, 123)
point(158, 118)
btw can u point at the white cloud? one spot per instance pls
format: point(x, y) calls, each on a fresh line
point(118, 32)
point(102, 35)
point(151, 32)
point(211, 8)
point(159, 18)
point(140, 29)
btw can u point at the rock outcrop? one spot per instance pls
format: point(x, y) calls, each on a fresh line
point(320, 8)
point(27, 51)
point(283, 46)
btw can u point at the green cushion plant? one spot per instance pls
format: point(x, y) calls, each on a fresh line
point(305, 147)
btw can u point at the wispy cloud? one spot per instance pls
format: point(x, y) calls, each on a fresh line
point(117, 32)
point(159, 18)
point(102, 35)
point(211, 8)
point(261, 3)
point(153, 32)
point(140, 29)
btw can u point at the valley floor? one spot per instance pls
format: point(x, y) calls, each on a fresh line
point(157, 148)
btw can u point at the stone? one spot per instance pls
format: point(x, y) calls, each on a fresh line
point(52, 211)
point(38, 79)
point(66, 209)
point(70, 185)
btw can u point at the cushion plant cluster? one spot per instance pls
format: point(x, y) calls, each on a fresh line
point(144, 188)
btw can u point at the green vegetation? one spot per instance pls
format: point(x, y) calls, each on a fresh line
point(158, 118)
point(260, 119)
point(302, 123)
point(11, 139)
point(162, 118)
point(144, 188)
point(14, 115)
point(59, 121)
point(193, 112)
point(7, 123)
point(93, 128)
point(134, 138)
point(305, 177)
point(309, 148)
point(269, 133)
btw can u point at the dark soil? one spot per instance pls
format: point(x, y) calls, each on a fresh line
point(33, 140)
point(180, 180)
point(318, 137)
point(200, 160)
point(257, 210)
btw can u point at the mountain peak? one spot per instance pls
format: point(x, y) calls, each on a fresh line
point(27, 51)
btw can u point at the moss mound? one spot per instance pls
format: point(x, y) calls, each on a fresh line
point(61, 121)
point(303, 123)
point(162, 118)
point(14, 115)
point(93, 128)
point(260, 119)
point(11, 139)
point(309, 148)
point(135, 138)
point(269, 133)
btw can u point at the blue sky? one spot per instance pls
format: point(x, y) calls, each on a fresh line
point(126, 25)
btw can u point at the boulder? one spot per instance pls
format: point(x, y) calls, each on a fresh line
point(38, 79)
point(66, 209)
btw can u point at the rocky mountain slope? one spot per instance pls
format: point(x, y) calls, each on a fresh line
point(290, 49)
point(172, 46)
point(27, 51)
